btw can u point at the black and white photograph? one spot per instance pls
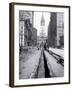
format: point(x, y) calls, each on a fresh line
point(39, 44)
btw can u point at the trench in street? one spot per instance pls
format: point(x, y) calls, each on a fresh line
point(42, 69)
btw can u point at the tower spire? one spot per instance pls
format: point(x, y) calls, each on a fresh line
point(42, 20)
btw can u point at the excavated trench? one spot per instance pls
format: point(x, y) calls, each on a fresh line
point(42, 69)
point(47, 71)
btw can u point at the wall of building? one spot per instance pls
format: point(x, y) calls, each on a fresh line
point(60, 27)
point(52, 30)
point(27, 34)
point(34, 36)
point(25, 17)
point(56, 30)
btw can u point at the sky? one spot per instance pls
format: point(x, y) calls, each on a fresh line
point(37, 21)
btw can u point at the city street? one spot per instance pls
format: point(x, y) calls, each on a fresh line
point(36, 63)
point(41, 44)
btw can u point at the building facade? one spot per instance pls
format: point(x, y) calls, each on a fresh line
point(34, 36)
point(25, 28)
point(27, 33)
point(52, 30)
point(56, 30)
point(60, 29)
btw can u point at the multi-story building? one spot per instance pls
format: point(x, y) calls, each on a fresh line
point(52, 30)
point(56, 30)
point(34, 36)
point(60, 29)
point(27, 34)
point(25, 28)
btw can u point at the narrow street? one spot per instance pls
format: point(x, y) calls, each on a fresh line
point(39, 64)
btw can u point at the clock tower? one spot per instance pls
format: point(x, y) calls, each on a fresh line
point(42, 23)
